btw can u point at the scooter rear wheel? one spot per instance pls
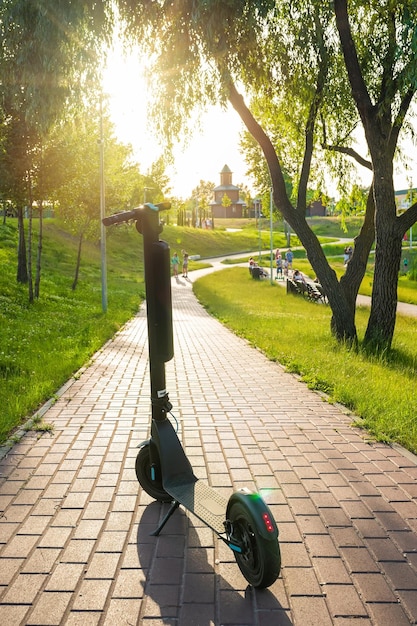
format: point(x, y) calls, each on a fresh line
point(260, 559)
point(150, 477)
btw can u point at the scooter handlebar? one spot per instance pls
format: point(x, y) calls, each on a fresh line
point(123, 216)
point(126, 216)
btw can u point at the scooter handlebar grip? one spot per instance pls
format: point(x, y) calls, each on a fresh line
point(123, 216)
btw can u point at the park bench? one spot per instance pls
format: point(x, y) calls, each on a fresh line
point(310, 291)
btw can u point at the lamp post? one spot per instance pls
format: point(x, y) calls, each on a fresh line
point(102, 215)
point(258, 204)
point(270, 232)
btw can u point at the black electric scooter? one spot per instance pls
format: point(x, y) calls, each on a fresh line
point(244, 522)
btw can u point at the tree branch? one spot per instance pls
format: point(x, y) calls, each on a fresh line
point(359, 90)
point(257, 132)
point(350, 152)
point(398, 122)
point(408, 218)
point(312, 116)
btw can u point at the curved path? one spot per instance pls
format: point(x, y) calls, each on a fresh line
point(74, 532)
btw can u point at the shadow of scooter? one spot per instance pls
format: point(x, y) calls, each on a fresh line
point(192, 579)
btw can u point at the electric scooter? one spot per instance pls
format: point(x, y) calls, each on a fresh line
point(244, 522)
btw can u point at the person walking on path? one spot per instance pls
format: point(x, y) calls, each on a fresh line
point(184, 264)
point(289, 256)
point(175, 263)
point(278, 263)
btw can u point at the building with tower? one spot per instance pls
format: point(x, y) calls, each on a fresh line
point(226, 201)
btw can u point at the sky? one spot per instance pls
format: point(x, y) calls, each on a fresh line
point(209, 150)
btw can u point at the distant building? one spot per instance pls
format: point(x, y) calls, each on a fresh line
point(226, 188)
point(403, 198)
point(316, 208)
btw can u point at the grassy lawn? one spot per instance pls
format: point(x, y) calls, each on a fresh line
point(382, 392)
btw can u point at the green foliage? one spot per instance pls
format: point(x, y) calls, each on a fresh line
point(74, 149)
point(275, 323)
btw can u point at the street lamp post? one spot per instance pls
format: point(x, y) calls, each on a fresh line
point(259, 231)
point(102, 215)
point(270, 233)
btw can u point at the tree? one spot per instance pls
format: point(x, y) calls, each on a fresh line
point(77, 191)
point(383, 91)
point(287, 57)
point(48, 50)
point(203, 195)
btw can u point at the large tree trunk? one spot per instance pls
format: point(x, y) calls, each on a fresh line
point(343, 315)
point(22, 267)
point(381, 324)
point(356, 268)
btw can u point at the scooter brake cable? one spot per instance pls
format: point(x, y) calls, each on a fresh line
point(175, 420)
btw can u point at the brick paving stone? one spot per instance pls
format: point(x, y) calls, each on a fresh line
point(310, 612)
point(344, 601)
point(23, 589)
point(12, 614)
point(49, 610)
point(388, 614)
point(236, 608)
point(401, 575)
point(196, 614)
point(122, 612)
point(408, 600)
point(130, 583)
point(359, 560)
point(373, 587)
point(41, 561)
point(103, 565)
point(65, 577)
point(320, 546)
point(406, 540)
point(302, 581)
point(331, 571)
point(91, 595)
point(8, 569)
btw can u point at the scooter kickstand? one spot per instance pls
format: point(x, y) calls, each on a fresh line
point(174, 506)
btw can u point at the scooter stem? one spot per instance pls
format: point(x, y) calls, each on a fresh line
point(159, 306)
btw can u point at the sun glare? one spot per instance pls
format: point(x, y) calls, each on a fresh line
point(216, 145)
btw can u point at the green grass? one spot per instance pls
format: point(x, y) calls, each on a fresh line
point(380, 391)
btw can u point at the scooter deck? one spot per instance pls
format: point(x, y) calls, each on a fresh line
point(203, 501)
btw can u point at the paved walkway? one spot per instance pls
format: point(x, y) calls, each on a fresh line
point(74, 532)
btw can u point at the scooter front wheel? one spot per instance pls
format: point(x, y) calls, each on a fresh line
point(260, 559)
point(149, 475)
